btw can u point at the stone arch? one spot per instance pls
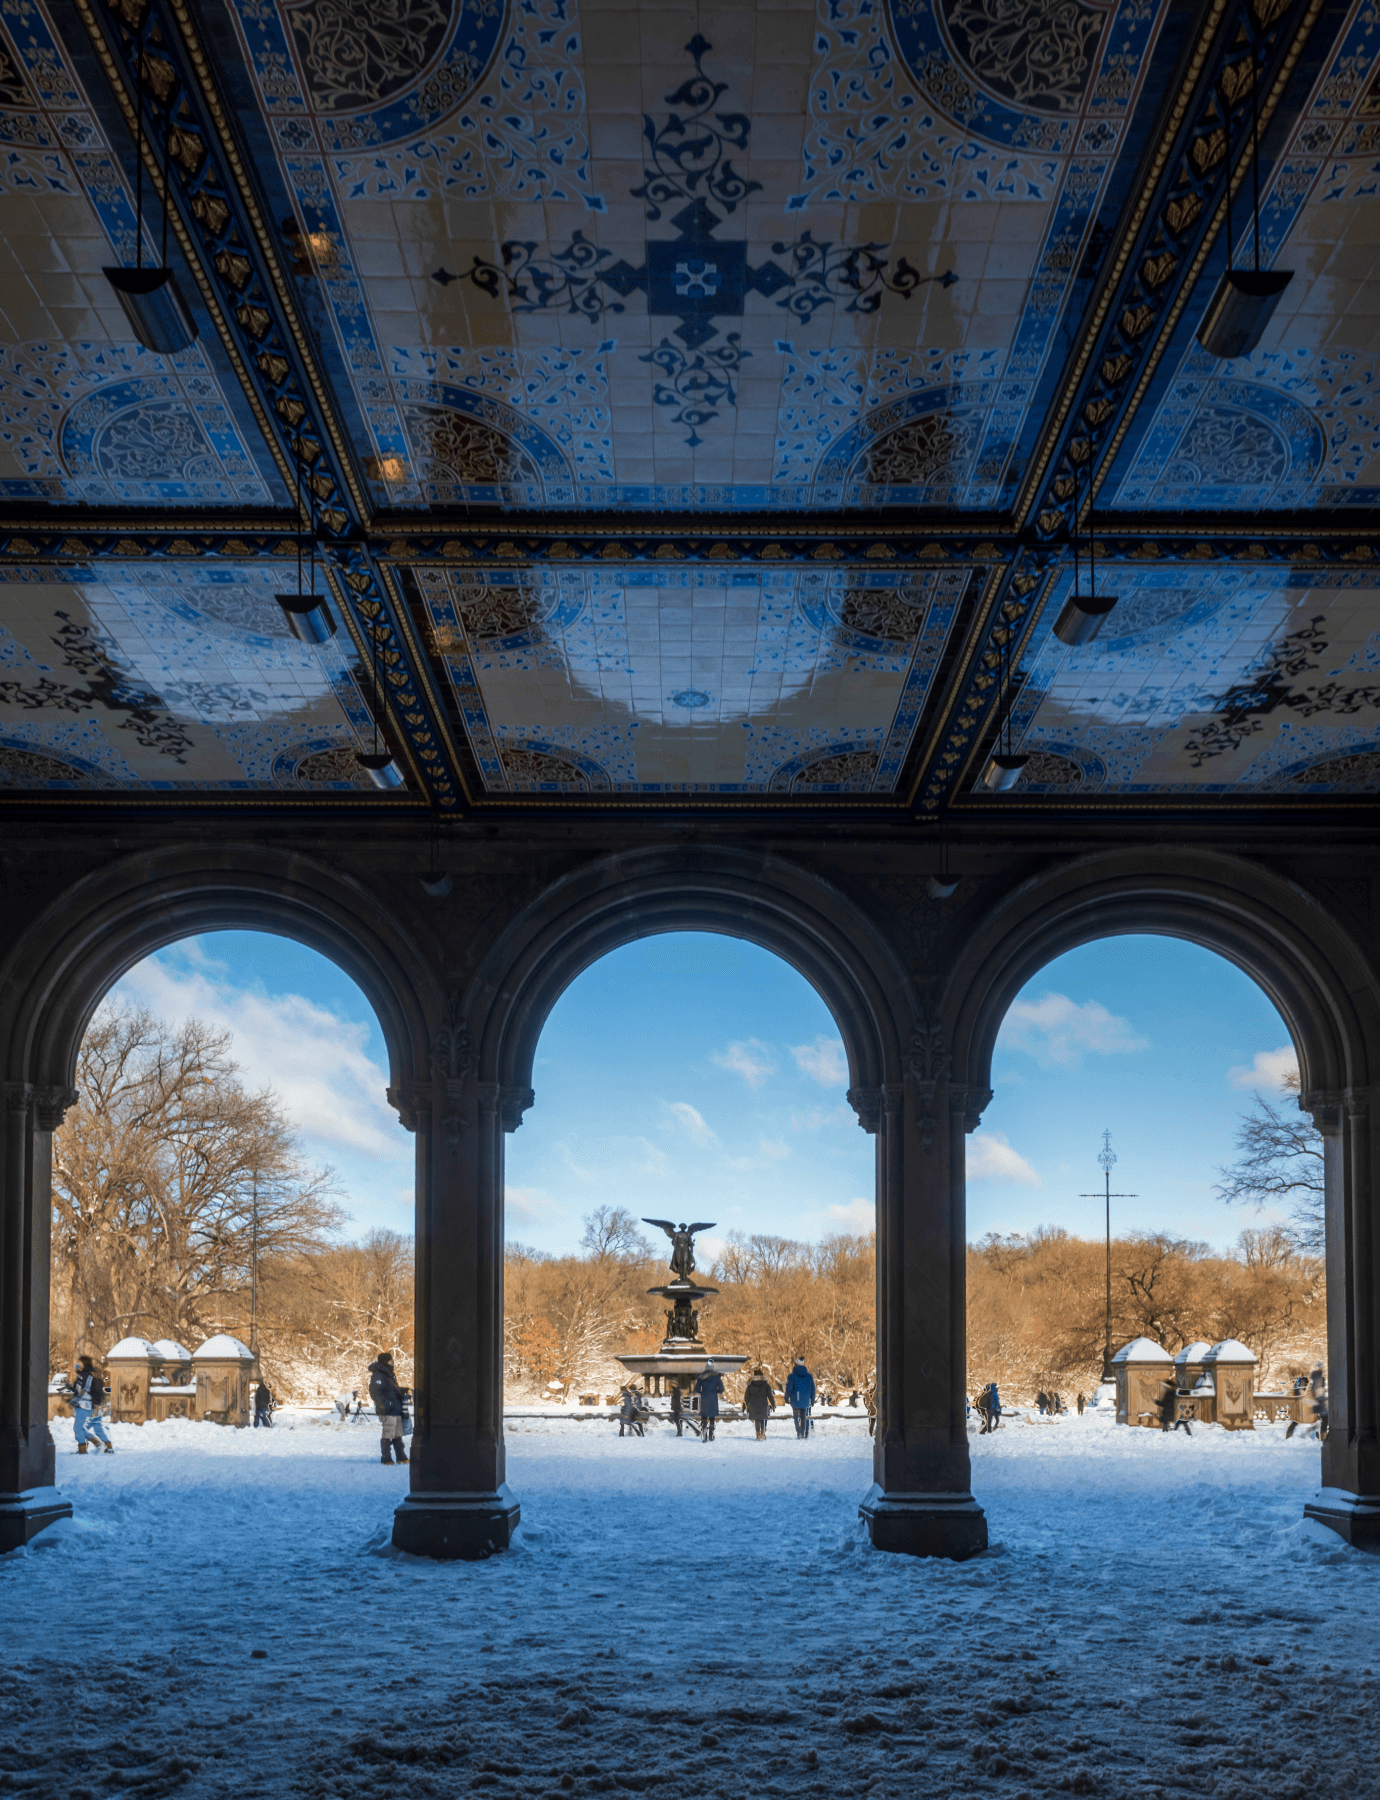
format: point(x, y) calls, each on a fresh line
point(59, 969)
point(798, 916)
point(1318, 979)
point(1323, 985)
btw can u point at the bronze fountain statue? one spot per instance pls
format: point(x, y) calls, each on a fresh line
point(682, 1356)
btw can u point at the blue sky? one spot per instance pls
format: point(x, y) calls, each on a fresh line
point(700, 1077)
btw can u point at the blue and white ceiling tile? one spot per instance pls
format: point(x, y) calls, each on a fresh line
point(1215, 685)
point(174, 676)
point(668, 678)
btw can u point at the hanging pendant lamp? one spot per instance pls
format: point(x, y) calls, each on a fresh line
point(1004, 767)
point(378, 764)
point(1081, 618)
point(308, 616)
point(1245, 299)
point(150, 298)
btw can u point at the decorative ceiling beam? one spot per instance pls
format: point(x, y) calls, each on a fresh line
point(1240, 65)
point(67, 535)
point(153, 58)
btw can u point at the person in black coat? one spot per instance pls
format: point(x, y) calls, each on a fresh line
point(759, 1402)
point(709, 1387)
point(263, 1405)
point(1169, 1408)
point(388, 1399)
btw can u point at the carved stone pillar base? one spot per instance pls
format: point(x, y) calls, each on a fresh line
point(951, 1525)
point(456, 1527)
point(1355, 1517)
point(23, 1516)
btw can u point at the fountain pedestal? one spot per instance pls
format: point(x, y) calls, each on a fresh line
point(682, 1358)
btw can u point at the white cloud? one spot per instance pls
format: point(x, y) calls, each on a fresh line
point(531, 1206)
point(314, 1060)
point(823, 1061)
point(1269, 1070)
point(767, 1152)
point(690, 1120)
point(749, 1057)
point(858, 1215)
point(1058, 1031)
point(568, 1158)
point(819, 1116)
point(991, 1158)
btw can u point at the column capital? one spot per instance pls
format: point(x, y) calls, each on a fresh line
point(512, 1104)
point(1325, 1105)
point(51, 1105)
point(19, 1096)
point(412, 1103)
point(972, 1102)
point(867, 1104)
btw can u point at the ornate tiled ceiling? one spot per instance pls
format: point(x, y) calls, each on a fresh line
point(690, 401)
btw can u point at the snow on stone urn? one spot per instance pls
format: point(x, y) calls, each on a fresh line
point(1231, 1364)
point(1142, 1368)
point(172, 1392)
point(131, 1366)
point(223, 1368)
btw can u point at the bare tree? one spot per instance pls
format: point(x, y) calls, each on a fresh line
point(1279, 1162)
point(166, 1173)
point(611, 1236)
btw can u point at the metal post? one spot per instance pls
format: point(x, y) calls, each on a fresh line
point(254, 1279)
point(1107, 1157)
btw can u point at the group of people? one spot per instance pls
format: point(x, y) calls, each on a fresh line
point(759, 1403)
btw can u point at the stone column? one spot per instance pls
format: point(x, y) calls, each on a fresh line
point(1349, 1498)
point(29, 1500)
point(920, 1500)
point(459, 1505)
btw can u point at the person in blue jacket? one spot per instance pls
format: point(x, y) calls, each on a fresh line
point(709, 1387)
point(800, 1396)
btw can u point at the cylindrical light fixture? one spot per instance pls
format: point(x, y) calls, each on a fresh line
point(1003, 771)
point(1241, 308)
point(308, 616)
point(379, 766)
point(438, 886)
point(1081, 618)
point(938, 889)
point(153, 304)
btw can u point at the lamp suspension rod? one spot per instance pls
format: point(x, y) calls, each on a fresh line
point(1255, 158)
point(167, 190)
point(139, 146)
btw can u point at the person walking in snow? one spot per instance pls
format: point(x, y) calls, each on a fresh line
point(630, 1415)
point(1041, 1402)
point(989, 1408)
point(759, 1402)
point(709, 1387)
point(800, 1396)
point(263, 1405)
point(1317, 1388)
point(1082, 1402)
point(870, 1402)
point(1169, 1408)
point(88, 1396)
point(678, 1410)
point(387, 1397)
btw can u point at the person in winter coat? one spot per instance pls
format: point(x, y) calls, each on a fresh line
point(88, 1396)
point(263, 1406)
point(709, 1387)
point(1042, 1403)
point(630, 1415)
point(1317, 1387)
point(989, 1405)
point(1169, 1408)
point(800, 1396)
point(870, 1402)
point(759, 1402)
point(387, 1397)
point(1081, 1404)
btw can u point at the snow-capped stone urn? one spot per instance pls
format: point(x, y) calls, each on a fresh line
point(131, 1366)
point(1231, 1364)
point(223, 1368)
point(1142, 1368)
point(172, 1392)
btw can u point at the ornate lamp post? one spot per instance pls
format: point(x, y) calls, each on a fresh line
point(1107, 1156)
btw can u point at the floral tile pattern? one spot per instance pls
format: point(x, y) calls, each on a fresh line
point(1208, 681)
point(126, 676)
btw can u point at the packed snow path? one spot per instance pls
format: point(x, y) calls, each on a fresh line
point(224, 1617)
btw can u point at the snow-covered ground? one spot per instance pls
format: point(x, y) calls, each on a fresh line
point(224, 1617)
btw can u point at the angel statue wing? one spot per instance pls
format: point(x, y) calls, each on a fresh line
point(704, 1225)
point(665, 1225)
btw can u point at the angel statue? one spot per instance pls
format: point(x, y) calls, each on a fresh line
point(682, 1244)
